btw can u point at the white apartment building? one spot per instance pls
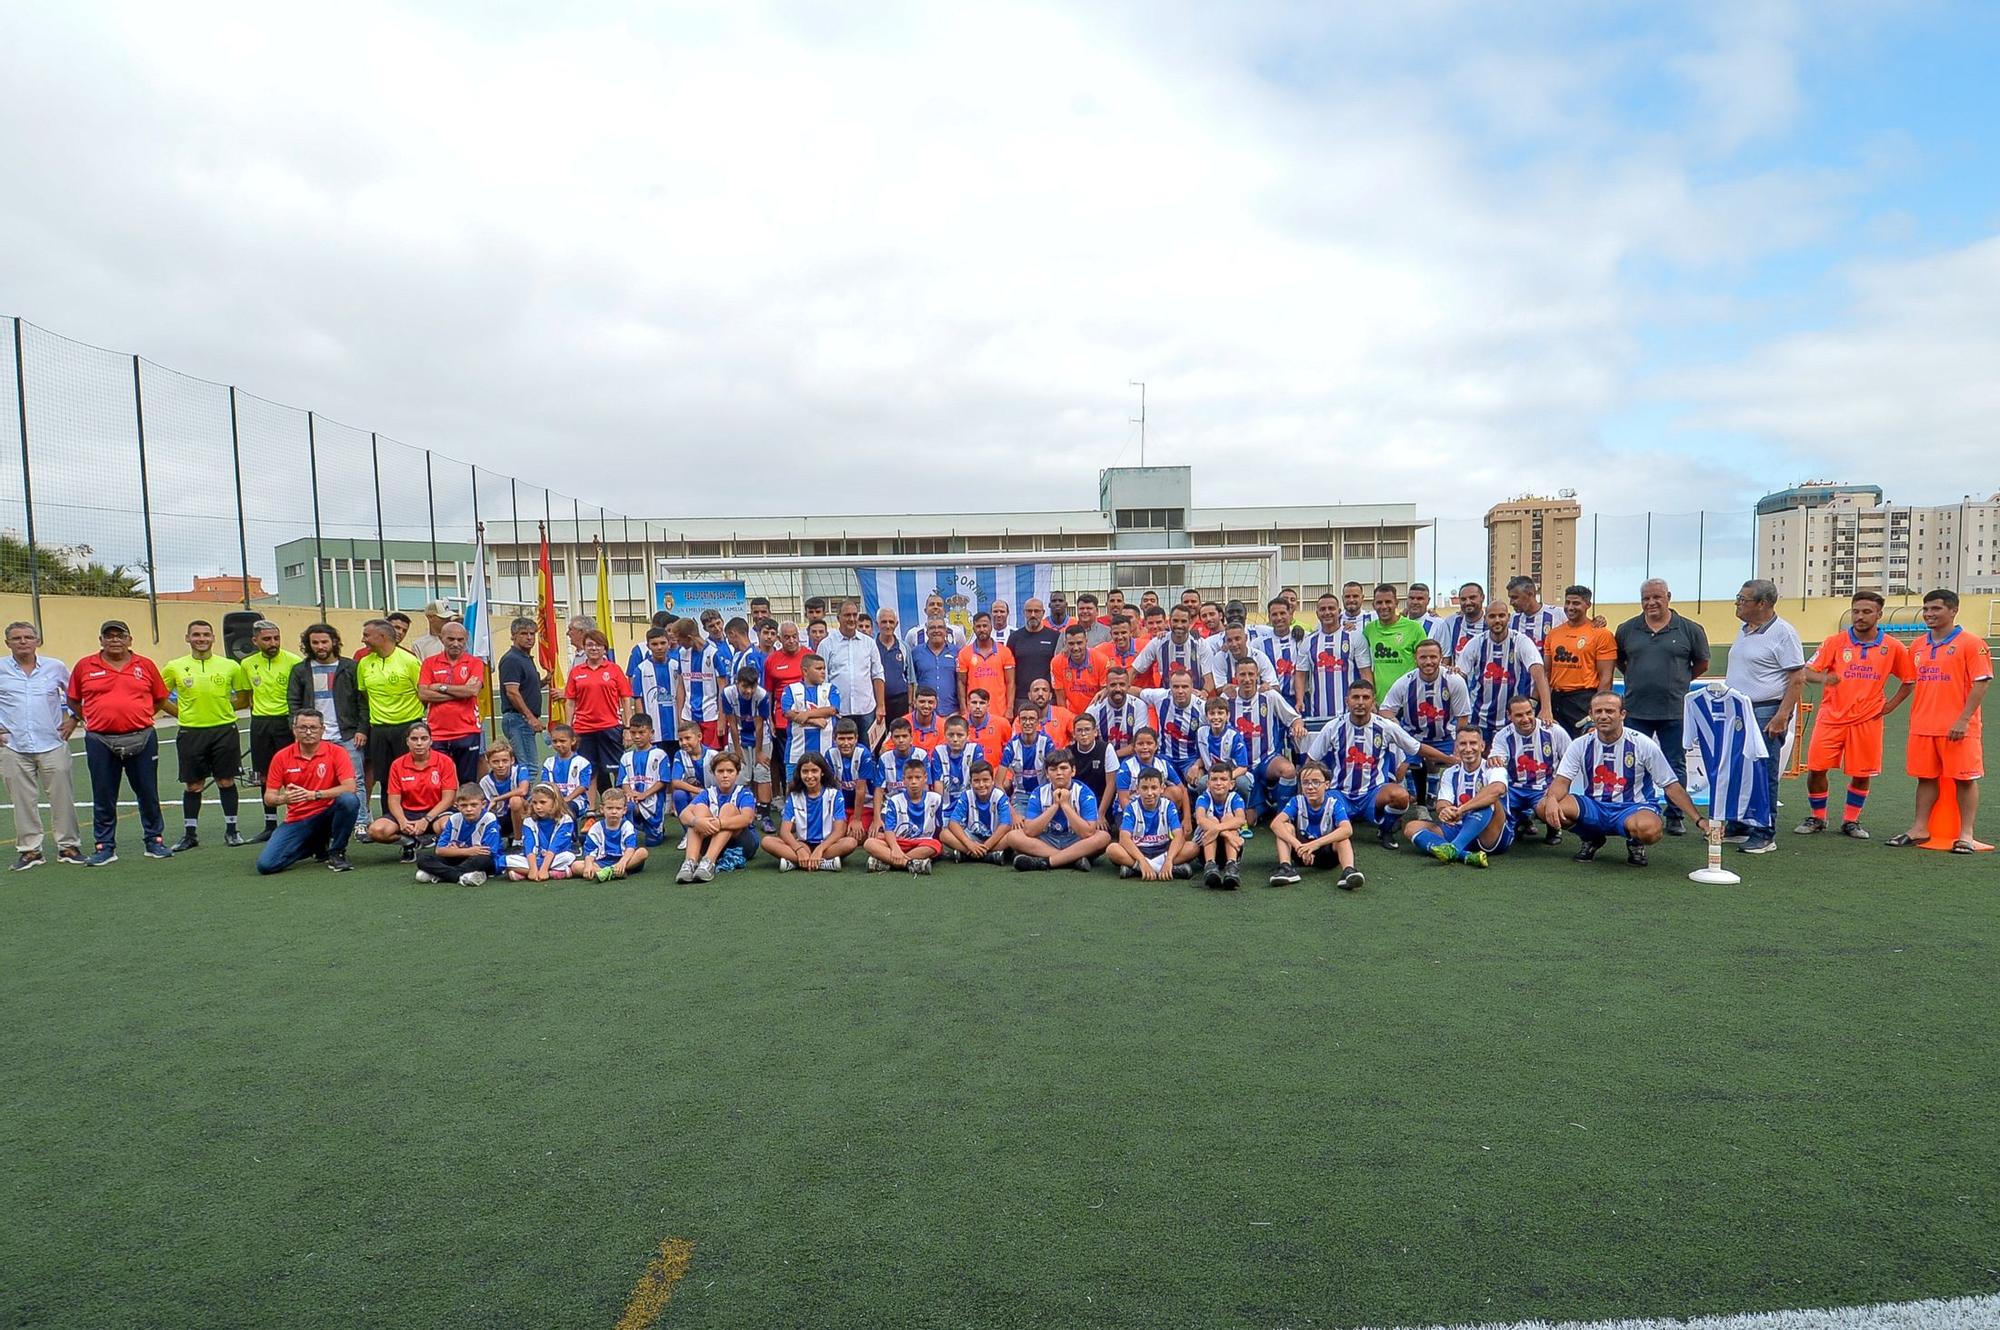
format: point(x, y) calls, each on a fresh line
point(1138, 508)
point(1824, 539)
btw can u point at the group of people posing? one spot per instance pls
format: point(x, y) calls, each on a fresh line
point(1158, 738)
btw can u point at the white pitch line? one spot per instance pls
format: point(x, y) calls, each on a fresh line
point(1980, 1313)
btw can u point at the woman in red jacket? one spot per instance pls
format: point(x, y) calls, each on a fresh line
point(420, 790)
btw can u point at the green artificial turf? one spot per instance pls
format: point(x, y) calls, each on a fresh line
point(990, 1099)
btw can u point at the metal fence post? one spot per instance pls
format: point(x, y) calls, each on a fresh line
point(27, 478)
point(146, 500)
point(430, 507)
point(381, 540)
point(1596, 539)
point(520, 581)
point(1649, 544)
point(576, 601)
point(319, 558)
point(1700, 552)
point(236, 464)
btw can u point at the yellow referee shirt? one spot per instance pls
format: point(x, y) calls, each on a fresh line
point(269, 677)
point(205, 689)
point(391, 684)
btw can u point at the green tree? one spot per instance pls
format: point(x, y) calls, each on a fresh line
point(60, 577)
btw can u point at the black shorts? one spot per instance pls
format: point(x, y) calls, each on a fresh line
point(209, 751)
point(268, 735)
point(1571, 709)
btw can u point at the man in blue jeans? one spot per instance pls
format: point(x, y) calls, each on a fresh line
point(1767, 664)
point(118, 693)
point(521, 695)
point(1661, 653)
point(313, 781)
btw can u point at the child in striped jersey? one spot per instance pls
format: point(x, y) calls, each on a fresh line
point(1123, 786)
point(468, 845)
point(611, 847)
point(1469, 820)
point(1315, 830)
point(1025, 757)
point(1219, 825)
point(548, 838)
point(746, 709)
point(907, 835)
point(642, 774)
point(568, 771)
point(813, 835)
point(951, 762)
point(504, 788)
point(1152, 837)
point(856, 774)
point(689, 773)
point(979, 821)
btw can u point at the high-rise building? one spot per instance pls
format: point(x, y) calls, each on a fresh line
point(1819, 538)
point(1535, 536)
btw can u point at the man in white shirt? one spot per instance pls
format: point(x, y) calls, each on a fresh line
point(854, 666)
point(1767, 664)
point(35, 725)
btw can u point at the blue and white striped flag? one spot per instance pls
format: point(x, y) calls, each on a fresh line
point(966, 590)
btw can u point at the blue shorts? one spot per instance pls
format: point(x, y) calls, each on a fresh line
point(1522, 803)
point(1058, 840)
point(1362, 805)
point(1603, 818)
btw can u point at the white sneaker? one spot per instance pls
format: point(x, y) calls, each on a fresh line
point(687, 871)
point(682, 847)
point(422, 876)
point(471, 879)
point(786, 865)
point(923, 867)
point(705, 871)
point(830, 865)
point(875, 865)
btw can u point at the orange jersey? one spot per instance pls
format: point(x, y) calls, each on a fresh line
point(1058, 723)
point(1863, 668)
point(1106, 654)
point(1573, 655)
point(991, 737)
point(1946, 672)
point(1076, 686)
point(927, 737)
point(987, 670)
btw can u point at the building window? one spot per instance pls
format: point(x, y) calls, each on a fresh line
point(295, 570)
point(1395, 549)
point(1357, 549)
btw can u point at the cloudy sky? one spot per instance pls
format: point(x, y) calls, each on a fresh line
point(766, 257)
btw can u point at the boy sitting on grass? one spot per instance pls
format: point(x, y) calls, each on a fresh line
point(1218, 831)
point(980, 820)
point(907, 835)
point(1061, 829)
point(468, 847)
point(611, 847)
point(1152, 840)
point(1314, 830)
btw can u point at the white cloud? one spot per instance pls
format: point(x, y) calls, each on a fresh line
point(767, 258)
point(1906, 374)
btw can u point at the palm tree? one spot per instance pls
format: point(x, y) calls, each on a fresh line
point(58, 576)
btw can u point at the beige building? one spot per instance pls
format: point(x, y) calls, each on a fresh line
point(1819, 538)
point(1535, 536)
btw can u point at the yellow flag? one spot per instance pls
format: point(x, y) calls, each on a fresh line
point(604, 601)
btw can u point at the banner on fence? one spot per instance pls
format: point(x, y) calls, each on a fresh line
point(689, 599)
point(966, 590)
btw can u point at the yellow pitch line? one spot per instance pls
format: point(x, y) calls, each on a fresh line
point(656, 1285)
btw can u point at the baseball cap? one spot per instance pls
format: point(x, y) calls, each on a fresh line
point(113, 626)
point(442, 609)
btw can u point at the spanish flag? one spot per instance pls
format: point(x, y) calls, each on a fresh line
point(550, 646)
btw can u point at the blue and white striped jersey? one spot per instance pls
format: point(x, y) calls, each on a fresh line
point(1428, 709)
point(851, 771)
point(1722, 726)
point(699, 669)
point(1453, 631)
point(818, 736)
point(640, 769)
point(913, 819)
point(812, 817)
point(951, 773)
point(1286, 654)
point(1311, 823)
point(1118, 722)
point(1127, 773)
point(1263, 721)
point(1178, 726)
point(745, 710)
point(548, 835)
point(1151, 829)
point(1362, 756)
point(692, 768)
point(719, 799)
point(1166, 655)
point(1222, 748)
point(567, 774)
point(1333, 661)
point(1630, 770)
point(605, 844)
point(1496, 671)
point(496, 786)
point(1529, 761)
point(463, 833)
point(982, 817)
point(1536, 626)
point(1028, 759)
point(1232, 803)
point(1459, 786)
point(653, 685)
point(1222, 669)
point(1085, 800)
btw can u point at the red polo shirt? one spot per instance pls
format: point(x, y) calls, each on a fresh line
point(327, 767)
point(781, 668)
point(420, 789)
point(597, 693)
point(116, 699)
point(453, 720)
